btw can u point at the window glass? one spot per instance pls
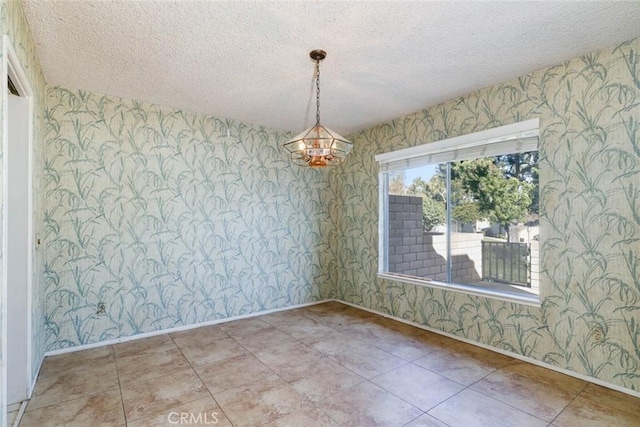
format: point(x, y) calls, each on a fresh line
point(471, 222)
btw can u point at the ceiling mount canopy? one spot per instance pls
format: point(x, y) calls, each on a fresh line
point(318, 146)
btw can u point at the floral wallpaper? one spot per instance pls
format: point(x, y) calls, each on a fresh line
point(170, 218)
point(589, 110)
point(13, 23)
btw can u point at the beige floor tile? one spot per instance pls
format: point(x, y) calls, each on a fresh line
point(432, 341)
point(387, 322)
point(260, 402)
point(264, 339)
point(11, 417)
point(232, 372)
point(530, 394)
point(303, 418)
point(309, 331)
point(326, 306)
point(463, 363)
point(368, 405)
point(405, 345)
point(100, 409)
point(207, 333)
point(143, 367)
point(72, 384)
point(364, 330)
point(405, 341)
point(210, 350)
point(285, 318)
point(554, 379)
point(585, 412)
point(241, 327)
point(361, 358)
point(335, 319)
point(53, 365)
point(418, 386)
point(328, 340)
point(200, 412)
point(365, 315)
point(426, 420)
point(290, 361)
point(324, 380)
point(472, 409)
point(325, 340)
point(309, 369)
point(156, 396)
point(615, 399)
point(346, 317)
point(437, 340)
point(144, 345)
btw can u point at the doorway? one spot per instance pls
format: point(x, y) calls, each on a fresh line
point(17, 229)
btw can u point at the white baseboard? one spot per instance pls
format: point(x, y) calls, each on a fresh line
point(501, 351)
point(175, 329)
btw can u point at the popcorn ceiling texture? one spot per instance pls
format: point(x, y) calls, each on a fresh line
point(249, 60)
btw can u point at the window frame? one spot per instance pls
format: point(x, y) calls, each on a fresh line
point(508, 139)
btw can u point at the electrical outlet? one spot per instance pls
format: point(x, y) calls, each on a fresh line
point(102, 310)
point(598, 335)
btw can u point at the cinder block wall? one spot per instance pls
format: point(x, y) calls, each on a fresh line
point(416, 253)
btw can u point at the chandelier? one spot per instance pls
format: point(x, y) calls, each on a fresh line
point(318, 146)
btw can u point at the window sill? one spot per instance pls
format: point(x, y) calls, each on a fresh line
point(522, 298)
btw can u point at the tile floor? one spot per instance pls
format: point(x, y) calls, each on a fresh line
point(324, 365)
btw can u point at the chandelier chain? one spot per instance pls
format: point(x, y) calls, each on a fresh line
point(317, 92)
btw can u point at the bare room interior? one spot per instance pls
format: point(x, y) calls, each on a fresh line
point(320, 213)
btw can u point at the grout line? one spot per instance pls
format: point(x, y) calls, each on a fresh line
point(369, 380)
point(507, 403)
point(570, 402)
point(282, 379)
point(323, 355)
point(517, 356)
point(337, 327)
point(115, 362)
point(193, 368)
point(465, 387)
point(149, 352)
point(188, 327)
point(447, 399)
point(421, 415)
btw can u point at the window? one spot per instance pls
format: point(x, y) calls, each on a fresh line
point(462, 213)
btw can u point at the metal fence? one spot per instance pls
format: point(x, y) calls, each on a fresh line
point(506, 262)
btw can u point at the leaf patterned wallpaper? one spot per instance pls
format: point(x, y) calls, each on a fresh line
point(13, 24)
point(171, 218)
point(589, 110)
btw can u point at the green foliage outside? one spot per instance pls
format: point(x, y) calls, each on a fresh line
point(434, 206)
point(502, 189)
point(433, 213)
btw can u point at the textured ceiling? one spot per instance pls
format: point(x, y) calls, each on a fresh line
point(248, 60)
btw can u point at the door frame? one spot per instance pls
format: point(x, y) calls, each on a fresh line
point(12, 67)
